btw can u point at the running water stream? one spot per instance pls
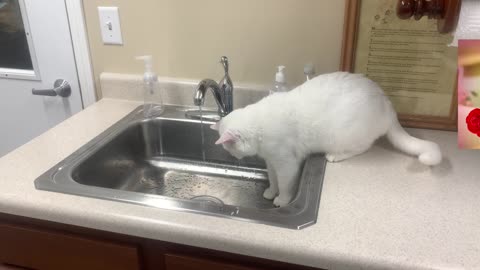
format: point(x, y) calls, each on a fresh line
point(202, 132)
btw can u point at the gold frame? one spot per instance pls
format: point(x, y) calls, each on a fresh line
point(350, 32)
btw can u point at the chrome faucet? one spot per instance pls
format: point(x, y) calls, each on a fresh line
point(222, 91)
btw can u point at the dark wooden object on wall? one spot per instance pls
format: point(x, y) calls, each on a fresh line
point(350, 27)
point(445, 11)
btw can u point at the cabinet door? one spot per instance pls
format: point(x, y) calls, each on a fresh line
point(11, 267)
point(180, 262)
point(50, 250)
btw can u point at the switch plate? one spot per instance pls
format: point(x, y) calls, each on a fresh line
point(110, 25)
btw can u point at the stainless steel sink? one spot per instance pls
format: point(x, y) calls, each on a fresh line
point(160, 162)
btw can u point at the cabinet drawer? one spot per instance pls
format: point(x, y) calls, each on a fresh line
point(181, 262)
point(49, 250)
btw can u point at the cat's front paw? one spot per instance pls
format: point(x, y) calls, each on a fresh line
point(270, 193)
point(281, 201)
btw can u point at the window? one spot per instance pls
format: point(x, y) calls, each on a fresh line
point(14, 50)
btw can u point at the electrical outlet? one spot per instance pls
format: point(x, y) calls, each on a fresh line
point(110, 25)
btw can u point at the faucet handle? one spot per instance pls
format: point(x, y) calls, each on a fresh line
point(224, 61)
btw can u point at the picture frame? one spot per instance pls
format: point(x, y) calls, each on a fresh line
point(348, 57)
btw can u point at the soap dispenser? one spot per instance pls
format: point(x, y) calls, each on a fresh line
point(153, 105)
point(309, 71)
point(280, 81)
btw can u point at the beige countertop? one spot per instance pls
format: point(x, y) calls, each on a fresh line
point(380, 210)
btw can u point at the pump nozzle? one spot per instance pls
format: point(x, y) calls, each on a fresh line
point(280, 76)
point(148, 59)
point(149, 75)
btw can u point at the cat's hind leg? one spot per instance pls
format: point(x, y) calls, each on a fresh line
point(272, 191)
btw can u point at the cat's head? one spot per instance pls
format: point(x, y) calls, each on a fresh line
point(236, 135)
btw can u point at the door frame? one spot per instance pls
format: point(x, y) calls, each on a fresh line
point(81, 51)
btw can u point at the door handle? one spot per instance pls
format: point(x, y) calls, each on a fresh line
point(61, 88)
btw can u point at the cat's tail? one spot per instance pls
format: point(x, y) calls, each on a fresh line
point(428, 152)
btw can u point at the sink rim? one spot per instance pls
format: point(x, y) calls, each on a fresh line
point(300, 213)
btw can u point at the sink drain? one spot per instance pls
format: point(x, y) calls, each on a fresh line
point(208, 199)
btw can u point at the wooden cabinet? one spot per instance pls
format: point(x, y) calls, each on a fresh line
point(42, 245)
point(179, 262)
point(42, 249)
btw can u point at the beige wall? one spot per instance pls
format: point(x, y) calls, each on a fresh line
point(187, 37)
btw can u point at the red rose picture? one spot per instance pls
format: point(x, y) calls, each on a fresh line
point(473, 121)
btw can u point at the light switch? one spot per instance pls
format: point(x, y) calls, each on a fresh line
point(110, 25)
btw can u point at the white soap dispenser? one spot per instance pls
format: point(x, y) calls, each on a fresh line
point(153, 104)
point(280, 81)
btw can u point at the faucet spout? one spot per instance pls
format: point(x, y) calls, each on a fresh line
point(203, 86)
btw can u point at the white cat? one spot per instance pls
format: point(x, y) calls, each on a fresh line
point(340, 114)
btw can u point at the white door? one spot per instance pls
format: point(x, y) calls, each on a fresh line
point(35, 51)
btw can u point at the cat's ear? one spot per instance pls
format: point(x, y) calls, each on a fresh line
point(227, 137)
point(215, 126)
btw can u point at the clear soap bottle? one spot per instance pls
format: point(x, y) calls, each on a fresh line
point(280, 84)
point(153, 104)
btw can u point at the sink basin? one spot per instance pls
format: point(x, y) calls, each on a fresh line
point(172, 162)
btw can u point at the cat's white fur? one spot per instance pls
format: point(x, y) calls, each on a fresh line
point(340, 114)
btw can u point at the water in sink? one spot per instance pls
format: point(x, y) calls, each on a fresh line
point(181, 179)
point(202, 132)
point(233, 187)
point(187, 165)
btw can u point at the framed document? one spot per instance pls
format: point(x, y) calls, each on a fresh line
point(409, 59)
